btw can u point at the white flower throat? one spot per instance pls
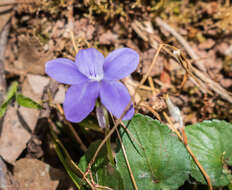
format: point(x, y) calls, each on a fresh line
point(97, 77)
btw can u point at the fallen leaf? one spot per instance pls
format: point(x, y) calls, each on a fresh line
point(83, 29)
point(36, 175)
point(108, 38)
point(165, 78)
point(207, 44)
point(33, 62)
point(5, 13)
point(7, 181)
point(14, 136)
point(147, 58)
point(33, 87)
point(60, 95)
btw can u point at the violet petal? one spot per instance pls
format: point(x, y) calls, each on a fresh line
point(80, 100)
point(90, 62)
point(65, 71)
point(120, 63)
point(115, 97)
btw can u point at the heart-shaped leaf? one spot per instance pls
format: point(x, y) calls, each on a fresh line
point(157, 158)
point(211, 143)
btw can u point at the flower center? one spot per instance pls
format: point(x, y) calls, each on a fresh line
point(96, 77)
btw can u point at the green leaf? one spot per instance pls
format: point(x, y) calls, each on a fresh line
point(10, 94)
point(3, 108)
point(12, 91)
point(103, 172)
point(72, 169)
point(210, 141)
point(27, 102)
point(157, 158)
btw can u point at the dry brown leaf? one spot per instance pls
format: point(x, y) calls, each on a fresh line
point(60, 95)
point(33, 87)
point(18, 124)
point(107, 37)
point(31, 58)
point(7, 181)
point(36, 175)
point(14, 136)
point(83, 29)
point(207, 44)
point(146, 61)
point(5, 14)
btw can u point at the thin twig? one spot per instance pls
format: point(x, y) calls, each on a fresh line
point(71, 24)
point(131, 135)
point(76, 136)
point(151, 110)
point(151, 83)
point(107, 137)
point(125, 155)
point(184, 43)
point(150, 68)
point(127, 161)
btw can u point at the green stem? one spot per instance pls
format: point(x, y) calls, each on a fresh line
point(230, 186)
point(109, 149)
point(103, 121)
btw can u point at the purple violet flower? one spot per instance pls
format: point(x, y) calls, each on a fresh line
point(92, 76)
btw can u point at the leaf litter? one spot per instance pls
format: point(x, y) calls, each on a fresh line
point(44, 29)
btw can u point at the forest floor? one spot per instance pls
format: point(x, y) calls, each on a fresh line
point(193, 42)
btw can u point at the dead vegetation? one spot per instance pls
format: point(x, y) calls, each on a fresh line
point(194, 66)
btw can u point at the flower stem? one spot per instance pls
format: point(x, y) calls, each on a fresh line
point(109, 148)
point(103, 121)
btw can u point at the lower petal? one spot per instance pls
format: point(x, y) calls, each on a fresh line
point(115, 97)
point(80, 100)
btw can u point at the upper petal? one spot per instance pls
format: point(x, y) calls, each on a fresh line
point(120, 63)
point(65, 71)
point(80, 100)
point(90, 62)
point(115, 97)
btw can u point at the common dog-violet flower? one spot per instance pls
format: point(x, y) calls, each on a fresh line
point(92, 76)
